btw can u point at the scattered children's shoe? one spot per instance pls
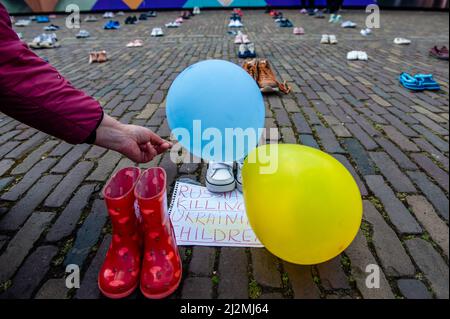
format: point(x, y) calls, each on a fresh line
point(352, 55)
point(93, 57)
point(333, 39)
point(267, 79)
point(82, 34)
point(235, 24)
point(357, 55)
point(299, 31)
point(428, 81)
point(185, 15)
point(135, 44)
point(402, 41)
point(196, 10)
point(143, 17)
point(251, 53)
point(325, 39)
point(246, 51)
point(172, 25)
point(242, 51)
point(45, 41)
point(261, 72)
point(220, 178)
point(238, 11)
point(419, 82)
point(51, 27)
point(304, 11)
point(98, 56)
point(362, 56)
point(42, 19)
point(332, 17)
point(441, 54)
point(238, 39)
point(319, 15)
point(348, 24)
point(285, 23)
point(22, 23)
point(112, 25)
point(366, 32)
point(157, 32)
point(90, 18)
point(131, 20)
point(239, 165)
point(108, 15)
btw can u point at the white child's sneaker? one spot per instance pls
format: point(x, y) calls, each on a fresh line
point(220, 177)
point(239, 165)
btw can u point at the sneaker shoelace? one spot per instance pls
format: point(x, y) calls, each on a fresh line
point(215, 167)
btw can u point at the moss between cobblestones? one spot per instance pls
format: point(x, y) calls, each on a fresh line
point(347, 267)
point(288, 292)
point(367, 231)
point(402, 196)
point(215, 280)
point(62, 252)
point(378, 205)
point(254, 290)
point(322, 119)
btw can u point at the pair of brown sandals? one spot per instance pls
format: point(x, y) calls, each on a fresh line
point(97, 56)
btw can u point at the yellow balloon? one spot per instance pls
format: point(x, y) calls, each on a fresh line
point(303, 204)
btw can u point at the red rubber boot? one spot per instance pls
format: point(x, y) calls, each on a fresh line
point(119, 275)
point(161, 266)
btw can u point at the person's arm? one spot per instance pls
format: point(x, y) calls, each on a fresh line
point(135, 142)
point(35, 93)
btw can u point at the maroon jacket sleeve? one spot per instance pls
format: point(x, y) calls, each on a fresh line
point(33, 92)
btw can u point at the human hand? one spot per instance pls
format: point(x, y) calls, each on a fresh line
point(137, 143)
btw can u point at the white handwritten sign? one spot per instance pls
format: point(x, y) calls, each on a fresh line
point(202, 218)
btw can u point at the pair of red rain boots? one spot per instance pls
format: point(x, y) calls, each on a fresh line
point(143, 246)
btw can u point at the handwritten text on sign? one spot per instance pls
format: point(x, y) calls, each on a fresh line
point(200, 217)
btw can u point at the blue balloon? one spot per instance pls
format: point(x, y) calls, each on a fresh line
point(216, 111)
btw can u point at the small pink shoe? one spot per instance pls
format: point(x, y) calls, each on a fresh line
point(303, 11)
point(239, 38)
point(179, 20)
point(299, 31)
point(245, 39)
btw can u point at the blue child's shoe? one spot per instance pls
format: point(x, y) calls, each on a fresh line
point(427, 81)
point(419, 82)
point(112, 25)
point(42, 19)
point(410, 82)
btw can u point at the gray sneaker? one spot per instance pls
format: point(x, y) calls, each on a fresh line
point(220, 177)
point(239, 165)
point(83, 34)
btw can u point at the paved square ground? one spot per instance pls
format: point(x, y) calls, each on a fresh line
point(393, 141)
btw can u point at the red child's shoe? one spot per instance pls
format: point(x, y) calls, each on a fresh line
point(119, 275)
point(161, 266)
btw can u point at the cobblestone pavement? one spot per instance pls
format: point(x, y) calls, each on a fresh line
point(394, 142)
